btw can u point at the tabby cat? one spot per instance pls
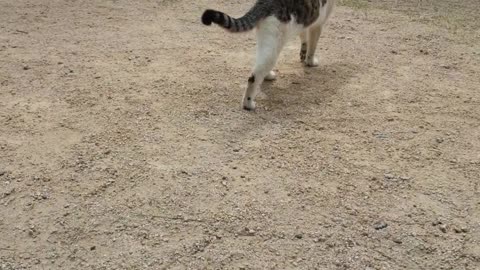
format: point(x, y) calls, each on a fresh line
point(276, 21)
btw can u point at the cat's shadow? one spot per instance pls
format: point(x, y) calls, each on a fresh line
point(297, 87)
point(298, 91)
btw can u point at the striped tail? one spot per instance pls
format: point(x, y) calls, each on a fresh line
point(243, 24)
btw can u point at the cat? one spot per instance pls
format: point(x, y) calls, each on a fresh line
point(276, 21)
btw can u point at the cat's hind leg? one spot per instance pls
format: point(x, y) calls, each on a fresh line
point(303, 46)
point(313, 36)
point(270, 40)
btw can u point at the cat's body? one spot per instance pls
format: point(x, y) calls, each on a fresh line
point(276, 22)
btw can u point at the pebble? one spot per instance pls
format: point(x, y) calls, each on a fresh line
point(443, 228)
point(424, 52)
point(26, 68)
point(436, 222)
point(319, 240)
point(247, 232)
point(397, 240)
point(10, 191)
point(460, 230)
point(389, 176)
point(299, 236)
point(380, 226)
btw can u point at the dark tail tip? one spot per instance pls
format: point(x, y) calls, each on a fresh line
point(209, 16)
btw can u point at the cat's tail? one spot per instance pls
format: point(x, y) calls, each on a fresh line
point(243, 24)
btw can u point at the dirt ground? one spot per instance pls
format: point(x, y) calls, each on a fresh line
point(123, 144)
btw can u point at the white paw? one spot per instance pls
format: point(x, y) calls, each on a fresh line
point(271, 76)
point(311, 61)
point(248, 104)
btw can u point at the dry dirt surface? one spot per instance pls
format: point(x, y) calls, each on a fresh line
point(124, 146)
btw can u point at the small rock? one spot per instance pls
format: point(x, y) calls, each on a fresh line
point(380, 226)
point(319, 240)
point(439, 140)
point(460, 230)
point(93, 247)
point(397, 240)
point(26, 68)
point(389, 176)
point(443, 228)
point(8, 192)
point(236, 150)
point(437, 222)
point(457, 230)
point(299, 236)
point(247, 232)
point(405, 178)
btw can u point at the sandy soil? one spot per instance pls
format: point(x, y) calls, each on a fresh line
point(123, 144)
